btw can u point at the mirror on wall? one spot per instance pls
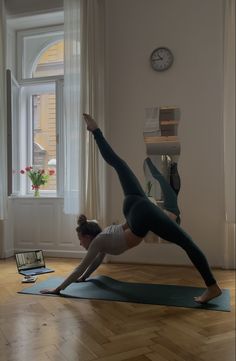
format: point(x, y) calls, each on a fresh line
point(163, 148)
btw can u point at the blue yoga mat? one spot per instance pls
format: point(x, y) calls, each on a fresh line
point(106, 288)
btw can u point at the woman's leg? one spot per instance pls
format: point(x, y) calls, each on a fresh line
point(128, 180)
point(174, 178)
point(170, 197)
point(161, 225)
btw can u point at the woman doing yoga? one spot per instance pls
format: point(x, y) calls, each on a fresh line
point(141, 217)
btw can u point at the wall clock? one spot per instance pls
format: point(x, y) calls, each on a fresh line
point(161, 58)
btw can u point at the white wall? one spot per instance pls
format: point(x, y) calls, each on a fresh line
point(193, 30)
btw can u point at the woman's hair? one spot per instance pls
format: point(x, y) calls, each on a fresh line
point(86, 227)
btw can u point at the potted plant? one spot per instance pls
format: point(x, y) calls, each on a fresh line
point(38, 177)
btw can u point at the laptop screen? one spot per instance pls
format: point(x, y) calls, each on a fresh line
point(29, 260)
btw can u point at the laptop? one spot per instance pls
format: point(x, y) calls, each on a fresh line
point(31, 263)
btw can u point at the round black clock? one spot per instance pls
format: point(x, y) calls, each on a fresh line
point(161, 59)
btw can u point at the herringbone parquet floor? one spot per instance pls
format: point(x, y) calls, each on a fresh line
point(41, 328)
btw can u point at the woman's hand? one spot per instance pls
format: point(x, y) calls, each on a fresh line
point(51, 291)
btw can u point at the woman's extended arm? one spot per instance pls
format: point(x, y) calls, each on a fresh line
point(98, 260)
point(87, 262)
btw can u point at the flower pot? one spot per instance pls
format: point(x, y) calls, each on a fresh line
point(36, 192)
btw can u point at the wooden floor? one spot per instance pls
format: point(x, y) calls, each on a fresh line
point(41, 328)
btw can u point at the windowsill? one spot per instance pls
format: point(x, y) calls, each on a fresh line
point(31, 196)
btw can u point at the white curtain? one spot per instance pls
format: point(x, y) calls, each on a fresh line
point(84, 92)
point(229, 131)
point(74, 186)
point(3, 124)
point(93, 102)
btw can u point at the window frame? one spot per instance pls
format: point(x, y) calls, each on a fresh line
point(24, 136)
point(29, 90)
point(25, 126)
point(21, 35)
point(13, 105)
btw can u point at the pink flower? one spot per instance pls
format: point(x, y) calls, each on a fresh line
point(51, 171)
point(34, 186)
point(37, 176)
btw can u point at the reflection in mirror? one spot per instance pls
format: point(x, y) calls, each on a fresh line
point(167, 165)
point(161, 166)
point(163, 147)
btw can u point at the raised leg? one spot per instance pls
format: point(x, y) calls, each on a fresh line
point(128, 180)
point(170, 197)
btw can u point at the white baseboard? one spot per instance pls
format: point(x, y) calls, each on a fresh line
point(64, 254)
point(58, 253)
point(8, 253)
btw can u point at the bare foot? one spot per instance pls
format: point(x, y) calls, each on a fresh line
point(171, 215)
point(91, 124)
point(210, 293)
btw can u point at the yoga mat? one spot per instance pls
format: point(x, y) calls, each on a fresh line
point(106, 288)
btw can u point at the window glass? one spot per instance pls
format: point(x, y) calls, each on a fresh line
point(40, 52)
point(51, 61)
point(44, 135)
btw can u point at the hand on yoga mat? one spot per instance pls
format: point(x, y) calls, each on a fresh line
point(52, 291)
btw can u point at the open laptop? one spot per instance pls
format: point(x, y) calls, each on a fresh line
point(31, 263)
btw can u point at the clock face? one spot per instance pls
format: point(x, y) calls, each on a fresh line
point(161, 59)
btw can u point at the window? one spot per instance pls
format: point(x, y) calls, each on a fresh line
point(39, 138)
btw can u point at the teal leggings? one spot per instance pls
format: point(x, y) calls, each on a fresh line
point(143, 216)
point(170, 196)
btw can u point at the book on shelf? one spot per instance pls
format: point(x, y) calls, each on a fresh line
point(159, 138)
point(161, 121)
point(169, 114)
point(151, 123)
